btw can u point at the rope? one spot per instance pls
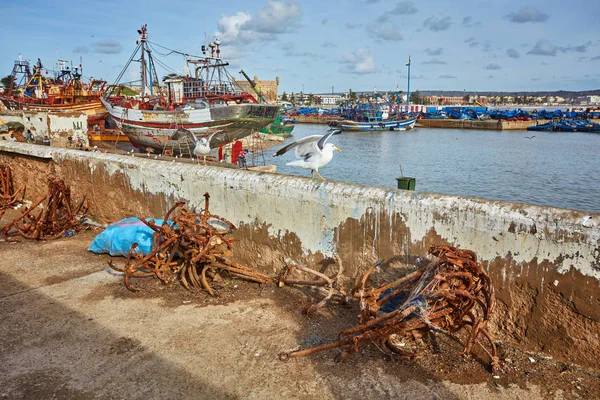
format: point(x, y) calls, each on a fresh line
point(175, 51)
point(114, 85)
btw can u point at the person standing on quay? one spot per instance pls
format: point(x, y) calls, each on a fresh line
point(242, 160)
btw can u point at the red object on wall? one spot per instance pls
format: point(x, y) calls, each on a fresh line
point(235, 151)
point(220, 153)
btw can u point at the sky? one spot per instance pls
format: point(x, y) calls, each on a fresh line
point(327, 45)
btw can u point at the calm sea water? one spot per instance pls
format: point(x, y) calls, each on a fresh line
point(551, 169)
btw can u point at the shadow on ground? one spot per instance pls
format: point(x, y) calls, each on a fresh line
point(50, 351)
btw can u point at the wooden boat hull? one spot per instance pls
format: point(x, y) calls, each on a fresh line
point(92, 107)
point(103, 137)
point(154, 129)
point(396, 125)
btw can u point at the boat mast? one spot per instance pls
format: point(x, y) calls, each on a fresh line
point(143, 38)
point(408, 91)
point(21, 67)
point(217, 43)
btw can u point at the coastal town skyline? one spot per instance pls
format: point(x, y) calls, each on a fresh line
point(328, 46)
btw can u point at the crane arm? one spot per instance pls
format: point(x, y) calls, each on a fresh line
point(254, 87)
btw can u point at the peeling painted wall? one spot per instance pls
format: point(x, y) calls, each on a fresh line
point(544, 262)
point(62, 125)
point(58, 125)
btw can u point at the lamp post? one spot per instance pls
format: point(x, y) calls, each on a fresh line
point(408, 91)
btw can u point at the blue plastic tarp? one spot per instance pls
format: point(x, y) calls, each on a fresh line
point(118, 237)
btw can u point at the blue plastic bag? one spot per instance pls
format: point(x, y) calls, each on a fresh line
point(118, 237)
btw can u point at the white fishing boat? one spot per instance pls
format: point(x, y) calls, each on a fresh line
point(200, 102)
point(379, 125)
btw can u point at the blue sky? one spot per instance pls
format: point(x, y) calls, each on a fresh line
point(316, 45)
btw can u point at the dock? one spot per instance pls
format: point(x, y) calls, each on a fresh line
point(493, 125)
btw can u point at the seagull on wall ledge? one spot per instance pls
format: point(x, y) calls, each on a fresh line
point(313, 152)
point(201, 146)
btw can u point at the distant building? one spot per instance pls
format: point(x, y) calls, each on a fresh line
point(590, 100)
point(444, 100)
point(268, 89)
point(330, 99)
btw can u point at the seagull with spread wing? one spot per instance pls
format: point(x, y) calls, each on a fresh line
point(201, 146)
point(313, 152)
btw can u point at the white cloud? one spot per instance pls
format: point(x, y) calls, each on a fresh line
point(469, 23)
point(493, 67)
point(438, 25)
point(230, 28)
point(388, 33)
point(527, 14)
point(277, 17)
point(545, 48)
point(359, 62)
point(107, 47)
point(512, 53)
point(434, 52)
point(404, 8)
point(434, 61)
point(266, 24)
point(81, 50)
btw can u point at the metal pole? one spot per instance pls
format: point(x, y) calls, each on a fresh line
point(143, 68)
point(150, 73)
point(408, 91)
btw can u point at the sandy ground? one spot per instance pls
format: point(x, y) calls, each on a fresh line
point(70, 329)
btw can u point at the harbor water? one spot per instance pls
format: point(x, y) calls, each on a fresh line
point(551, 169)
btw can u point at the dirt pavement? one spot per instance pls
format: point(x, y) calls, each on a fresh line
point(69, 329)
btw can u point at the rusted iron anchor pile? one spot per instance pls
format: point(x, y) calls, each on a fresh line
point(191, 246)
point(8, 196)
point(57, 216)
point(451, 294)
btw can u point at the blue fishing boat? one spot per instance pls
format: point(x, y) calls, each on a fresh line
point(567, 126)
point(379, 125)
point(547, 127)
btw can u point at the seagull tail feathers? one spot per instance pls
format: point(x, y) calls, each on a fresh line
point(297, 163)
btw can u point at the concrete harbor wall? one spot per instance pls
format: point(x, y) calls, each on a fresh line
point(496, 125)
point(544, 262)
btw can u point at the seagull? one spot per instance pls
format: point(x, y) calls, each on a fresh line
point(202, 145)
point(529, 137)
point(313, 152)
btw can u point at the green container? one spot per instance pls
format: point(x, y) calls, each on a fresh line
point(406, 183)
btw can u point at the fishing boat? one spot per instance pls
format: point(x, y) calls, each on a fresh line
point(32, 89)
point(200, 102)
point(567, 126)
point(389, 125)
point(281, 127)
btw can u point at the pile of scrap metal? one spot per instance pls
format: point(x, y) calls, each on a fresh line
point(57, 218)
point(451, 294)
point(191, 247)
point(331, 287)
point(8, 196)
